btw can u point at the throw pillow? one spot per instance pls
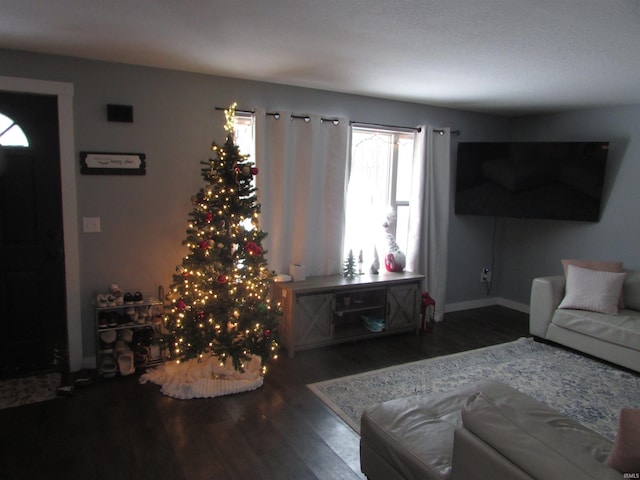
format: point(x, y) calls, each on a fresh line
point(615, 267)
point(592, 290)
point(625, 456)
point(604, 266)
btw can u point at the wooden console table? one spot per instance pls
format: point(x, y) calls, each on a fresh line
point(332, 309)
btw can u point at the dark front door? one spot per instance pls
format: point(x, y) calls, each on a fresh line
point(32, 278)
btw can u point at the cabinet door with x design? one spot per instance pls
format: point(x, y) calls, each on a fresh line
point(402, 306)
point(314, 314)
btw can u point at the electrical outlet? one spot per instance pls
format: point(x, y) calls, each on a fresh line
point(485, 275)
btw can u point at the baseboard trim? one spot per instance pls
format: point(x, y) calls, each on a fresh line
point(486, 302)
point(520, 307)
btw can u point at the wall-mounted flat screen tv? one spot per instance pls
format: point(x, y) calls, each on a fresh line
point(547, 180)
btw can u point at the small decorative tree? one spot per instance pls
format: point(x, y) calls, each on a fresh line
point(349, 270)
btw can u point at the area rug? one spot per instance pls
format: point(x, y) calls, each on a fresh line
point(22, 391)
point(586, 390)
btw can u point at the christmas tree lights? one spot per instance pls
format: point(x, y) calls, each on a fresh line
point(220, 292)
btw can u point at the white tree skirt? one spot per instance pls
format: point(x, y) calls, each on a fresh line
point(205, 378)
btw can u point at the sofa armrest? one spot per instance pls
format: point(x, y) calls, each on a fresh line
point(546, 295)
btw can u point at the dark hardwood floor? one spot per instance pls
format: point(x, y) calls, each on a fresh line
point(120, 429)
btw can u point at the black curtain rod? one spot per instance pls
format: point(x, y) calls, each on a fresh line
point(391, 127)
point(306, 118)
point(441, 132)
point(336, 121)
point(408, 129)
point(222, 109)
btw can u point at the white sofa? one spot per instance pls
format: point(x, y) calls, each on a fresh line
point(611, 337)
point(487, 431)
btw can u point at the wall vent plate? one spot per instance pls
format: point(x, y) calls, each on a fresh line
point(120, 113)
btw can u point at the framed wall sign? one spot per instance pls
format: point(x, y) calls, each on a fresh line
point(105, 163)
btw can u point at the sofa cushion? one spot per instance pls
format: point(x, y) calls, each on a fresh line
point(592, 290)
point(622, 329)
point(540, 441)
point(415, 434)
point(604, 266)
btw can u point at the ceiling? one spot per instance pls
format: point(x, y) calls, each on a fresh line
point(502, 56)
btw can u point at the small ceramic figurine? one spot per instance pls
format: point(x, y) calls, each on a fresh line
point(394, 259)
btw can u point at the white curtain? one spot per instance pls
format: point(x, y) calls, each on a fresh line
point(301, 187)
point(430, 205)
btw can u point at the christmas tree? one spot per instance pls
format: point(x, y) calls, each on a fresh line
point(220, 292)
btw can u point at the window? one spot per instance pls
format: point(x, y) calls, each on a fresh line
point(11, 135)
point(244, 132)
point(379, 188)
point(245, 139)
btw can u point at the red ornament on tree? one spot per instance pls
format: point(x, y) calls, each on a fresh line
point(253, 248)
point(208, 216)
point(204, 244)
point(222, 278)
point(181, 305)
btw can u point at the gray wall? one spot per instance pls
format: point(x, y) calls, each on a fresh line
point(533, 248)
point(144, 218)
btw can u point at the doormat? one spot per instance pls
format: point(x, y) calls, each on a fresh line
point(588, 391)
point(23, 391)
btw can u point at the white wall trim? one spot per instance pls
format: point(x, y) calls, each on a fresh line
point(520, 307)
point(487, 302)
point(64, 92)
point(29, 85)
